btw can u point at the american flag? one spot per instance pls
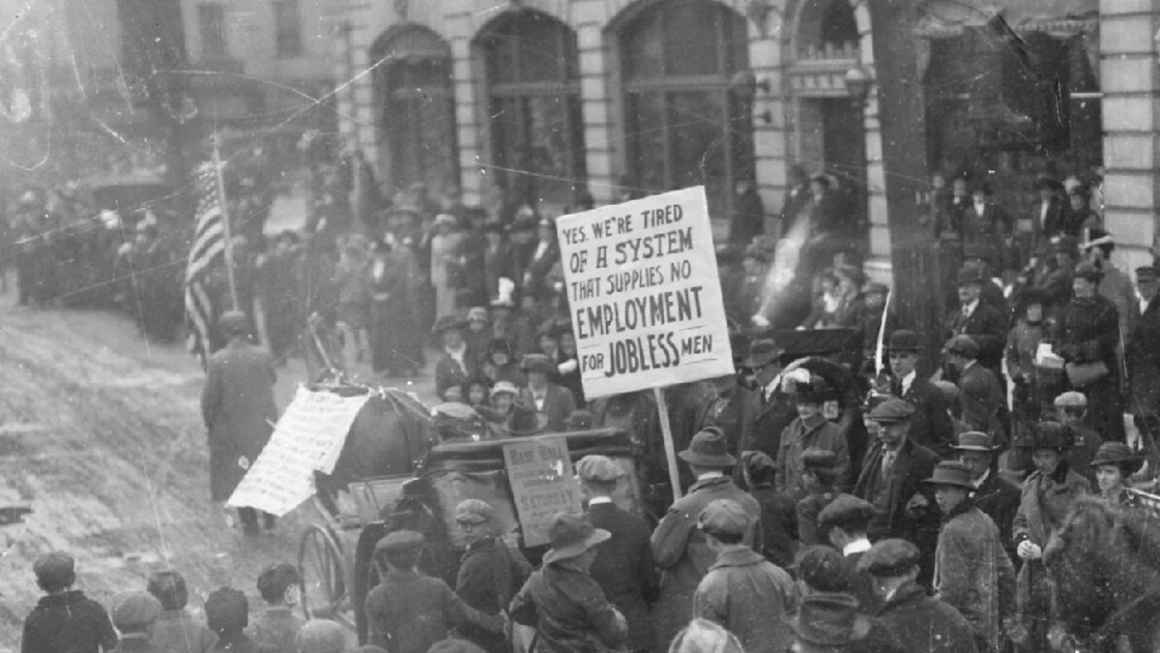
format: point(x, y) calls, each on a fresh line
point(209, 245)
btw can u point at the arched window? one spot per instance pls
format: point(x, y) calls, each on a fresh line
point(417, 109)
point(533, 87)
point(683, 125)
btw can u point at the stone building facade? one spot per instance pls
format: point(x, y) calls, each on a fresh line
point(543, 97)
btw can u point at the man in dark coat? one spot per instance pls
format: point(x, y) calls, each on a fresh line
point(778, 511)
point(679, 548)
point(844, 524)
point(891, 480)
point(975, 318)
point(1047, 220)
point(1143, 357)
point(554, 402)
point(996, 496)
point(64, 619)
point(490, 573)
point(983, 221)
point(624, 564)
point(237, 405)
point(748, 214)
point(457, 364)
point(563, 601)
point(767, 411)
point(920, 622)
point(981, 398)
point(930, 425)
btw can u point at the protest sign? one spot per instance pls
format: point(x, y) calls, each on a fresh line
point(540, 473)
point(308, 438)
point(643, 292)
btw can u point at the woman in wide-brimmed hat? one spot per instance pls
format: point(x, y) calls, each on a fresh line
point(1114, 463)
point(562, 600)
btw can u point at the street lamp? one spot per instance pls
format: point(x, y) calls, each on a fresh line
point(858, 85)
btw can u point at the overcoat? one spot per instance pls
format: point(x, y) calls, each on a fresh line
point(1144, 360)
point(982, 401)
point(973, 573)
point(558, 405)
point(930, 425)
point(489, 576)
point(1088, 332)
point(569, 611)
point(624, 569)
point(684, 557)
point(987, 326)
point(924, 623)
point(237, 406)
point(818, 433)
point(999, 499)
point(751, 597)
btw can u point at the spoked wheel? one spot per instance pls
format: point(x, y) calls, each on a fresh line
point(324, 577)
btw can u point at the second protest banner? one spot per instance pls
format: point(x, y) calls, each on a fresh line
point(642, 285)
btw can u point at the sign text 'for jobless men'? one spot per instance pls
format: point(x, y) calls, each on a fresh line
point(642, 287)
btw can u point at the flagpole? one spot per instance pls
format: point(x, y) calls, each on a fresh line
point(224, 207)
point(880, 346)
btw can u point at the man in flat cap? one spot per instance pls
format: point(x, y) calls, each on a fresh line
point(134, 614)
point(679, 548)
point(892, 478)
point(919, 622)
point(553, 401)
point(982, 404)
point(1143, 358)
point(490, 573)
point(748, 595)
point(844, 525)
point(972, 571)
point(930, 426)
point(975, 318)
point(237, 406)
point(408, 611)
point(64, 619)
point(624, 566)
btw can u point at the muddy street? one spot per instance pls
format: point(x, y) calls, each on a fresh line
point(101, 436)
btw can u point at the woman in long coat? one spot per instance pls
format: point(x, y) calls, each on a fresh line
point(1088, 333)
point(445, 265)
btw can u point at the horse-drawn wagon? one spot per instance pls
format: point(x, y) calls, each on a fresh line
point(396, 472)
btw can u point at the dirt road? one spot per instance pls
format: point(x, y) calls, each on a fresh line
point(101, 435)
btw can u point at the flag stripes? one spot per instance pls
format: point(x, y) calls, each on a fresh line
point(208, 246)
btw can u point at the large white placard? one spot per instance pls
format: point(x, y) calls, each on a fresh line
point(643, 291)
point(308, 438)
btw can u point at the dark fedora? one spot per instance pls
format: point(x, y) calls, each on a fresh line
point(572, 535)
point(975, 441)
point(709, 448)
point(971, 274)
point(762, 352)
point(525, 420)
point(829, 619)
point(1120, 455)
point(953, 473)
point(904, 340)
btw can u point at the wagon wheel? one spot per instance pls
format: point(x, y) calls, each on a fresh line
point(323, 575)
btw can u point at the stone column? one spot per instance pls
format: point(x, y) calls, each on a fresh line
point(588, 19)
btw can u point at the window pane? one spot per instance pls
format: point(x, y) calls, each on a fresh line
point(540, 55)
point(501, 58)
point(646, 140)
point(419, 119)
point(644, 50)
point(551, 152)
point(692, 33)
point(697, 142)
point(287, 28)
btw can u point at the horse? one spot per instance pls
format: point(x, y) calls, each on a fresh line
point(1105, 564)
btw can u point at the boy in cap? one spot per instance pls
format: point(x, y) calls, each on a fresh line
point(819, 479)
point(778, 511)
point(408, 612)
point(175, 629)
point(624, 564)
point(972, 571)
point(490, 573)
point(810, 430)
point(227, 614)
point(278, 625)
point(844, 524)
point(64, 619)
point(748, 595)
point(679, 548)
point(918, 621)
point(562, 600)
point(134, 614)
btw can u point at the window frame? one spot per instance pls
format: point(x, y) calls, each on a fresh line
point(288, 42)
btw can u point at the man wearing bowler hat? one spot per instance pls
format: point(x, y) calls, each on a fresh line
point(978, 319)
point(767, 410)
point(972, 572)
point(981, 400)
point(679, 548)
point(624, 564)
point(995, 495)
point(562, 601)
point(919, 622)
point(930, 426)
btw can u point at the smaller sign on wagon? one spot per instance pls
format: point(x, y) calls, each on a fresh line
point(643, 291)
point(540, 474)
